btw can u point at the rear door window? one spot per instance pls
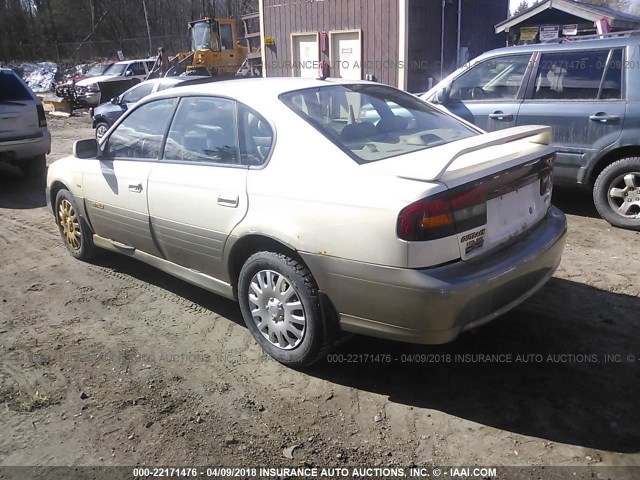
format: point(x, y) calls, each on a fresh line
point(12, 89)
point(204, 130)
point(612, 83)
point(579, 76)
point(256, 137)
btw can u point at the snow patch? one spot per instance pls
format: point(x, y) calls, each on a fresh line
point(39, 76)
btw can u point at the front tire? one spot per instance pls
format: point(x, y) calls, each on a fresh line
point(75, 232)
point(280, 306)
point(616, 193)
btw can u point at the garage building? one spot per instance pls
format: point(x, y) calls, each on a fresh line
point(405, 43)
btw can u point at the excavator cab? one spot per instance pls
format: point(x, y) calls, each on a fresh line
point(216, 50)
point(214, 46)
point(204, 35)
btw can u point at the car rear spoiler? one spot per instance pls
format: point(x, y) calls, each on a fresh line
point(535, 134)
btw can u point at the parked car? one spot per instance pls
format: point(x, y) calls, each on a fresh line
point(584, 90)
point(88, 90)
point(104, 115)
point(24, 137)
point(268, 192)
point(94, 70)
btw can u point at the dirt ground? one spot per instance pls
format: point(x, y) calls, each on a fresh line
point(116, 363)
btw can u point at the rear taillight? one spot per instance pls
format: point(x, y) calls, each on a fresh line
point(546, 178)
point(42, 119)
point(443, 215)
point(463, 208)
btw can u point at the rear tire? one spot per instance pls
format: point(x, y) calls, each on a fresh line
point(34, 167)
point(280, 305)
point(75, 233)
point(616, 193)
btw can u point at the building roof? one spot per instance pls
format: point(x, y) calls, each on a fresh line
point(587, 11)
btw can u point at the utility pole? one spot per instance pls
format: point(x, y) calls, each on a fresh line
point(93, 13)
point(444, 4)
point(459, 62)
point(146, 19)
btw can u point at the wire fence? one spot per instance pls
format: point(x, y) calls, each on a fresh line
point(85, 52)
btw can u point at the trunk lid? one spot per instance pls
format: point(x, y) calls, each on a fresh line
point(459, 162)
point(508, 170)
point(18, 120)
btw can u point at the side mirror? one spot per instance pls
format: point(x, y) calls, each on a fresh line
point(442, 95)
point(128, 73)
point(115, 100)
point(85, 148)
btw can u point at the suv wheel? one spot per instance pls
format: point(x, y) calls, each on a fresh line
point(101, 129)
point(75, 233)
point(34, 167)
point(616, 193)
point(279, 302)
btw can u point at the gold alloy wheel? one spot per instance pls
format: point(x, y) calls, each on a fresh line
point(69, 224)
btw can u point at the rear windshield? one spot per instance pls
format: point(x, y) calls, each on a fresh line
point(375, 122)
point(12, 89)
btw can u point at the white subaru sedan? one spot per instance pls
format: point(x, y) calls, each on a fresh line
point(321, 207)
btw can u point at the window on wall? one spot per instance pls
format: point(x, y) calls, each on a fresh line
point(579, 76)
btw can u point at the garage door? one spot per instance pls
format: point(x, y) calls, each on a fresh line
point(346, 55)
point(305, 55)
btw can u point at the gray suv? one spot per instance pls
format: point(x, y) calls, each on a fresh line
point(585, 89)
point(24, 137)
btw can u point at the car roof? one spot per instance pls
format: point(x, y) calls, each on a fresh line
point(135, 60)
point(257, 89)
point(570, 45)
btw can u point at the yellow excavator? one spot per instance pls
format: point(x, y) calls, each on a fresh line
point(217, 51)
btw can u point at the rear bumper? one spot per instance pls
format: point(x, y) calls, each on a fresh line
point(24, 148)
point(434, 305)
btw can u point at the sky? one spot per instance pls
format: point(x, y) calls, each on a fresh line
point(513, 4)
point(634, 6)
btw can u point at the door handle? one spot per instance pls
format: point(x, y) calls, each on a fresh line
point(228, 200)
point(135, 188)
point(603, 117)
point(501, 116)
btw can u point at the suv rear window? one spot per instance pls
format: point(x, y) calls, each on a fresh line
point(375, 122)
point(12, 89)
point(579, 76)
